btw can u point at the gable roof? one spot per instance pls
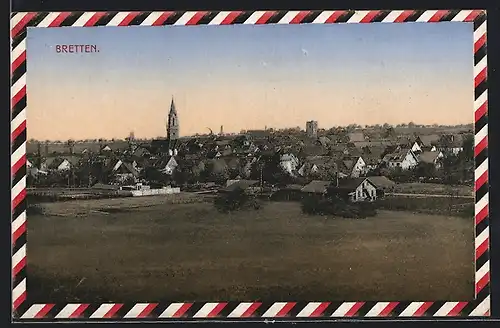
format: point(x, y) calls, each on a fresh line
point(398, 156)
point(381, 181)
point(240, 184)
point(429, 140)
point(429, 156)
point(316, 186)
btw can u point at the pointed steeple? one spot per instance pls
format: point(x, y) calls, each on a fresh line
point(173, 122)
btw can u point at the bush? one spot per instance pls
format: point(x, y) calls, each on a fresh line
point(236, 200)
point(338, 207)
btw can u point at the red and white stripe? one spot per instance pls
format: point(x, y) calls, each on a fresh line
point(18, 226)
point(482, 203)
point(71, 311)
point(415, 309)
point(381, 309)
point(347, 309)
point(278, 309)
point(313, 309)
point(209, 310)
point(37, 311)
point(19, 293)
point(450, 309)
point(140, 310)
point(244, 310)
point(19, 260)
point(483, 309)
point(175, 310)
point(105, 311)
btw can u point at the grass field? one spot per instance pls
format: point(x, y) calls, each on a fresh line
point(148, 249)
point(433, 188)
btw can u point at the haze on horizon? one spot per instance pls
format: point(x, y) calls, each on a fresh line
point(246, 77)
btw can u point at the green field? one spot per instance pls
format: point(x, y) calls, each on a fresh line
point(148, 249)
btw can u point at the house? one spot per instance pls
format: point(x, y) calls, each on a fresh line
point(354, 189)
point(290, 192)
point(59, 163)
point(431, 157)
point(169, 167)
point(317, 166)
point(356, 137)
point(416, 147)
point(451, 144)
point(106, 148)
point(246, 185)
point(404, 159)
point(356, 166)
point(289, 163)
point(383, 184)
point(427, 140)
point(122, 171)
point(316, 187)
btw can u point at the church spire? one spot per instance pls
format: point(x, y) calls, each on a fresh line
point(173, 122)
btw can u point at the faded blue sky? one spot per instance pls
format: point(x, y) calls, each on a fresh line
point(246, 77)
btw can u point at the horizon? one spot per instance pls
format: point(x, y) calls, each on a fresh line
point(271, 129)
point(333, 74)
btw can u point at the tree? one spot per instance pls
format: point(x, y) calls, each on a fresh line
point(468, 146)
point(411, 125)
point(425, 170)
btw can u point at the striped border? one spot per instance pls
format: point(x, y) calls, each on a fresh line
point(23, 310)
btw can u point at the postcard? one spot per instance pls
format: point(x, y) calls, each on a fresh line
point(268, 165)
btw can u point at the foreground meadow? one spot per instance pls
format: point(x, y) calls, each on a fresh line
point(152, 250)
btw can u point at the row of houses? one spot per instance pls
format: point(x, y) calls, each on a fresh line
point(351, 189)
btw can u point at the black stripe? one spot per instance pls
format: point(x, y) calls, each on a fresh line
point(469, 307)
point(482, 260)
point(37, 19)
point(72, 18)
point(276, 17)
point(19, 141)
point(20, 70)
point(481, 87)
point(450, 15)
point(262, 309)
point(381, 16)
point(230, 306)
point(310, 17)
point(481, 123)
point(20, 276)
point(481, 157)
point(345, 16)
point(242, 17)
point(365, 308)
point(106, 18)
point(414, 16)
point(126, 307)
point(481, 226)
point(20, 208)
point(207, 18)
point(21, 173)
point(20, 242)
point(294, 311)
point(434, 308)
point(174, 18)
point(90, 310)
point(139, 18)
point(399, 308)
point(19, 107)
point(159, 309)
point(479, 54)
point(483, 293)
point(193, 309)
point(332, 307)
point(22, 308)
point(482, 190)
point(18, 38)
point(54, 311)
point(479, 20)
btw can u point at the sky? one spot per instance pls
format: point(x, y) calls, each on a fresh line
point(246, 77)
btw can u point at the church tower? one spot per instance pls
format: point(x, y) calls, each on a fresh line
point(173, 123)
